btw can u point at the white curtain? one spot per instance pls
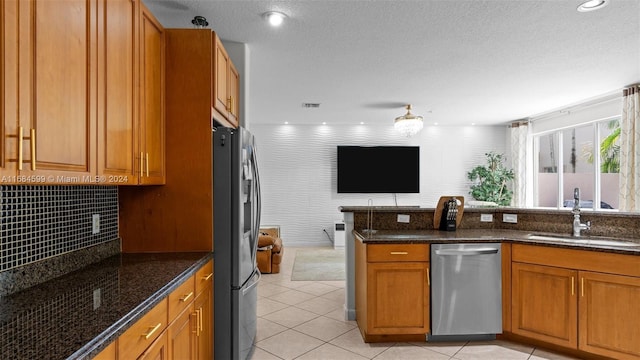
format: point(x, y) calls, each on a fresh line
point(630, 150)
point(519, 132)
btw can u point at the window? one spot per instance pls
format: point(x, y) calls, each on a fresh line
point(568, 159)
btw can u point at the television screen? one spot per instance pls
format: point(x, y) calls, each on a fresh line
point(378, 169)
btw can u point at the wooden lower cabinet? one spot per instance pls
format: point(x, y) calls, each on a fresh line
point(586, 302)
point(182, 335)
point(609, 315)
point(544, 303)
point(158, 350)
point(392, 291)
point(398, 296)
point(203, 305)
point(189, 333)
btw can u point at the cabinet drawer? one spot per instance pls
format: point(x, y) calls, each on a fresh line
point(181, 297)
point(204, 277)
point(142, 334)
point(397, 252)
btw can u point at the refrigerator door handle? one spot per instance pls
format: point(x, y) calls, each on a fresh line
point(258, 197)
point(253, 284)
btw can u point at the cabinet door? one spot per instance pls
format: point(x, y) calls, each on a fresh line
point(220, 72)
point(609, 315)
point(182, 337)
point(152, 153)
point(544, 303)
point(8, 90)
point(204, 332)
point(117, 105)
point(58, 87)
point(234, 95)
point(398, 296)
point(109, 353)
point(158, 350)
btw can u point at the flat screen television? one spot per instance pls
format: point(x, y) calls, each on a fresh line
point(378, 169)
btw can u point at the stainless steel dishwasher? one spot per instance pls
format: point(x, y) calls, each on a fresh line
point(466, 291)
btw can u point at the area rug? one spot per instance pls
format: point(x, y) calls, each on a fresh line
point(319, 265)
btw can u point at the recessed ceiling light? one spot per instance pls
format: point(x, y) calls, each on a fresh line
point(324, 123)
point(435, 123)
point(361, 122)
point(275, 18)
point(592, 5)
point(286, 123)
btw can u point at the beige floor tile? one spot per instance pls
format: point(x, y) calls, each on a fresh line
point(491, 350)
point(338, 284)
point(288, 283)
point(259, 354)
point(268, 289)
point(324, 328)
point(352, 341)
point(267, 329)
point(317, 289)
point(289, 344)
point(337, 314)
point(320, 306)
point(541, 354)
point(291, 297)
point(447, 348)
point(267, 306)
point(336, 295)
point(291, 316)
point(410, 352)
point(330, 352)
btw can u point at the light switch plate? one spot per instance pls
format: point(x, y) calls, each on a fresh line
point(510, 218)
point(486, 217)
point(403, 218)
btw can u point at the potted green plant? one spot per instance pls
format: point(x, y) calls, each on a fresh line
point(490, 181)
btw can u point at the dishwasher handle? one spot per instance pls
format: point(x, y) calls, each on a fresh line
point(469, 252)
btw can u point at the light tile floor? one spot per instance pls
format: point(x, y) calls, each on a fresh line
point(305, 320)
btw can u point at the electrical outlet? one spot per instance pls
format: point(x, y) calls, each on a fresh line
point(486, 217)
point(95, 224)
point(510, 218)
point(403, 218)
point(97, 298)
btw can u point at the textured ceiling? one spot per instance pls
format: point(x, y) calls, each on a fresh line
point(457, 61)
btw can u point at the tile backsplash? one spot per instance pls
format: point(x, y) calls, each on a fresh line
point(42, 222)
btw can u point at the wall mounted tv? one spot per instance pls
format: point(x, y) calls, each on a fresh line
point(378, 169)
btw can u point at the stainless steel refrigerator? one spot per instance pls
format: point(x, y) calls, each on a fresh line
point(236, 224)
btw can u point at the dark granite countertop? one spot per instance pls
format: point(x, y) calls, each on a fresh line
point(76, 315)
point(494, 235)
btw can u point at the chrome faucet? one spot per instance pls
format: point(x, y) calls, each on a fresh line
point(577, 225)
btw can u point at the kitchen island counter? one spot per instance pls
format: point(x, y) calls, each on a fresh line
point(496, 235)
point(77, 315)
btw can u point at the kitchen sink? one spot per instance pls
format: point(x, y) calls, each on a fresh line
point(583, 241)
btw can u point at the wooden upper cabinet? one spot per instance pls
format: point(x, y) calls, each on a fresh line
point(609, 315)
point(544, 303)
point(220, 87)
point(225, 86)
point(152, 113)
point(8, 89)
point(57, 98)
point(117, 100)
point(234, 94)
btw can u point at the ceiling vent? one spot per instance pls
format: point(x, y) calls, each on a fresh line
point(310, 105)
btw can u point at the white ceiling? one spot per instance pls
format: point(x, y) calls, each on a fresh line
point(457, 61)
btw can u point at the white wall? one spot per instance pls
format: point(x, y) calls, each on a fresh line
point(298, 171)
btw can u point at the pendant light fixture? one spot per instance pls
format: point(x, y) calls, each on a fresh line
point(408, 124)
